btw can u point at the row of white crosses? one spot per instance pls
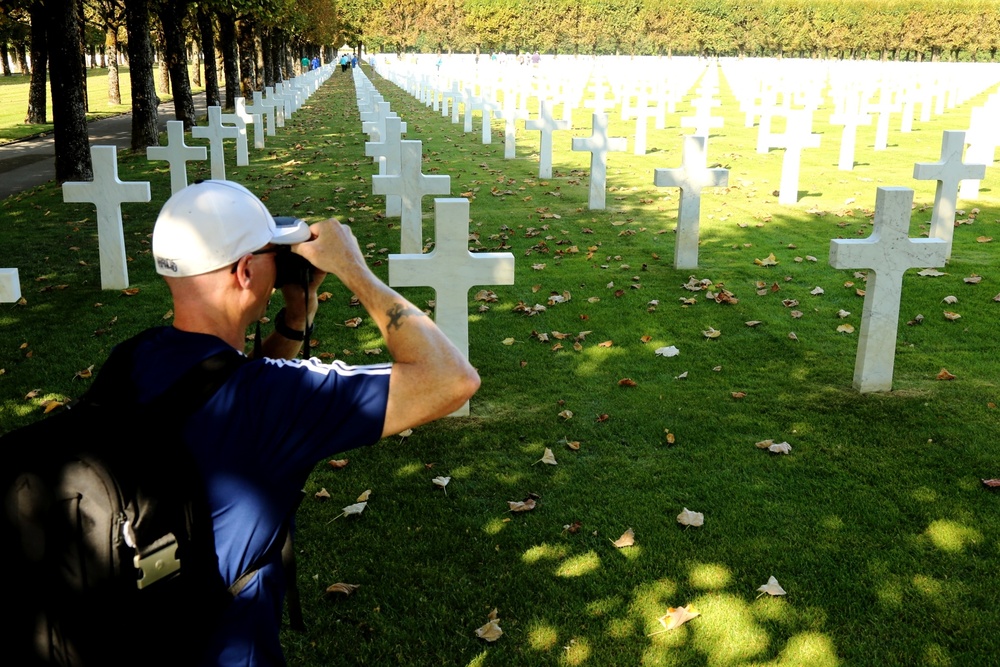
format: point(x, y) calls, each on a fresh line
point(108, 192)
point(450, 269)
point(691, 177)
point(887, 253)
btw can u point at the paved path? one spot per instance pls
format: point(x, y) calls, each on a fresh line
point(30, 162)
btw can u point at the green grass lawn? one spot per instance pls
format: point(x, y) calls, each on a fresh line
point(876, 524)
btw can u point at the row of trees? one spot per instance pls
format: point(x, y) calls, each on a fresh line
point(915, 29)
point(256, 41)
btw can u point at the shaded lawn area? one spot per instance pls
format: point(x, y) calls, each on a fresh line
point(876, 524)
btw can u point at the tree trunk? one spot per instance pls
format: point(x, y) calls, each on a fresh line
point(287, 65)
point(162, 73)
point(72, 142)
point(175, 58)
point(270, 57)
point(230, 56)
point(83, 56)
point(111, 47)
point(246, 44)
point(22, 57)
point(208, 49)
point(5, 55)
point(39, 56)
point(196, 66)
point(140, 59)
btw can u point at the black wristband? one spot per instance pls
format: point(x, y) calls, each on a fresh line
point(287, 331)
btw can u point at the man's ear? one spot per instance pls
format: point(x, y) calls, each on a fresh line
point(244, 270)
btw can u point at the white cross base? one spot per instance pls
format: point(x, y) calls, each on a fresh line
point(107, 193)
point(10, 286)
point(888, 252)
point(177, 154)
point(451, 270)
point(599, 144)
point(692, 176)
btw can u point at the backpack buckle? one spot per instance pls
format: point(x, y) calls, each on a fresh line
point(157, 564)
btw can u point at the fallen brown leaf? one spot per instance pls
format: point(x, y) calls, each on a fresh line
point(342, 588)
point(521, 505)
point(676, 617)
point(491, 631)
point(626, 540)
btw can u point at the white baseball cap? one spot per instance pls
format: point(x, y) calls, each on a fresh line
point(211, 224)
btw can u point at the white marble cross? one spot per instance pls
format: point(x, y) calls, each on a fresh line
point(510, 115)
point(452, 270)
point(177, 154)
point(215, 132)
point(107, 192)
point(451, 96)
point(490, 108)
point(546, 124)
point(386, 153)
point(691, 177)
point(642, 112)
point(252, 115)
point(885, 107)
point(600, 103)
point(949, 171)
point(10, 285)
point(411, 185)
point(798, 135)
point(983, 136)
point(282, 102)
point(768, 109)
point(888, 253)
point(851, 117)
point(599, 144)
point(277, 103)
point(472, 103)
point(267, 110)
point(703, 121)
point(242, 149)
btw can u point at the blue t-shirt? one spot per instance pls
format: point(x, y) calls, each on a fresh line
point(255, 442)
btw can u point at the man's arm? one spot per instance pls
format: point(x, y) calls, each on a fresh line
point(430, 377)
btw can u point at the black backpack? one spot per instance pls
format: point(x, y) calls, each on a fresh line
point(107, 548)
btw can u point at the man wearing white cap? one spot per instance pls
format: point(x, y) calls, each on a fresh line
point(258, 437)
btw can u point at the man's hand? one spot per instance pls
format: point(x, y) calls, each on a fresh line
point(333, 249)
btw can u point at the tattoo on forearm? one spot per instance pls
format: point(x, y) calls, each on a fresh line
point(397, 313)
